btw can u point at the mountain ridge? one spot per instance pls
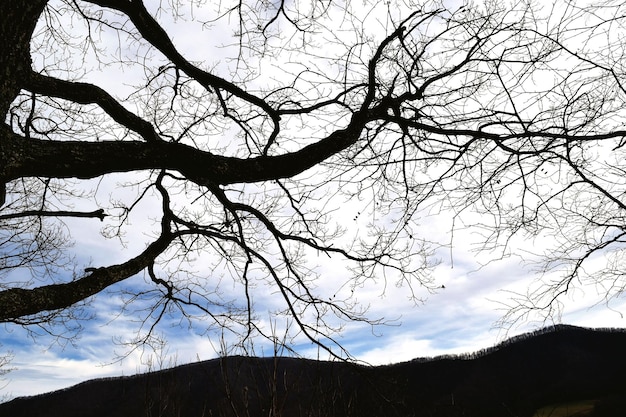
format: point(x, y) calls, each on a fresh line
point(513, 378)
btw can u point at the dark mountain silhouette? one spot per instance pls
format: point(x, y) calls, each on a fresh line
point(557, 365)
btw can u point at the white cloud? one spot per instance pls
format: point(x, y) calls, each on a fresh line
point(37, 371)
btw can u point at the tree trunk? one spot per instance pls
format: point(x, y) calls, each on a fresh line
point(17, 23)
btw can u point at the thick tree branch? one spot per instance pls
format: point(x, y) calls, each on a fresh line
point(158, 37)
point(16, 303)
point(84, 93)
point(21, 157)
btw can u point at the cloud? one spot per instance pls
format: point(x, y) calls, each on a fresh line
point(37, 370)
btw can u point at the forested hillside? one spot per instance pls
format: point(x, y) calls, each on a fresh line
point(554, 366)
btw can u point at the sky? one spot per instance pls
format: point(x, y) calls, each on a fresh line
point(462, 316)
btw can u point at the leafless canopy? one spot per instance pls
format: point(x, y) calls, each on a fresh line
point(244, 129)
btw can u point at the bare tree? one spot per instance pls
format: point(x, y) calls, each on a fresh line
point(247, 147)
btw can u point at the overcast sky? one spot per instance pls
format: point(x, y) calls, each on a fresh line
point(461, 317)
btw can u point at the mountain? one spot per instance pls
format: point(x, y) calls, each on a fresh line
point(559, 368)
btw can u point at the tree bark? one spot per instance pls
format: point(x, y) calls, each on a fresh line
point(21, 157)
point(17, 23)
point(17, 303)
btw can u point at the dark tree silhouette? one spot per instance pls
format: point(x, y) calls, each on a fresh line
point(508, 117)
